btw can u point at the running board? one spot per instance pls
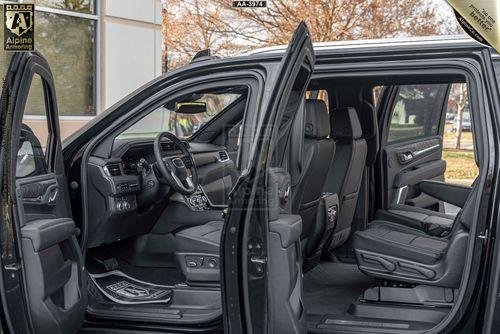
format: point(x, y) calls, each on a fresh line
point(419, 295)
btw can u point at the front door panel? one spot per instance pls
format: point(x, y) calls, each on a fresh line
point(253, 300)
point(51, 263)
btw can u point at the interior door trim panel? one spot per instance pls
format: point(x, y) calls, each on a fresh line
point(408, 163)
point(415, 174)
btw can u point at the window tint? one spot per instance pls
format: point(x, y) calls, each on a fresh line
point(458, 141)
point(416, 112)
point(166, 118)
point(35, 133)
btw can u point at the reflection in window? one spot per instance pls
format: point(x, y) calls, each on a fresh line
point(68, 44)
point(35, 133)
point(35, 105)
point(165, 118)
point(81, 6)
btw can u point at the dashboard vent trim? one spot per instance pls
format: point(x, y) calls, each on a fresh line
point(170, 146)
point(113, 169)
point(223, 156)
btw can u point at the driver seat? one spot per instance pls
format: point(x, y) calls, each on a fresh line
point(197, 252)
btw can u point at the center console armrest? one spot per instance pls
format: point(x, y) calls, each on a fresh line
point(455, 194)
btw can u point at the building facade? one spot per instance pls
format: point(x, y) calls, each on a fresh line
point(99, 52)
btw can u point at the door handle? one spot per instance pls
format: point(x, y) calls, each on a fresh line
point(256, 260)
point(406, 157)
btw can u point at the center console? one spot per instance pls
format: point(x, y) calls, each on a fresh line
point(199, 200)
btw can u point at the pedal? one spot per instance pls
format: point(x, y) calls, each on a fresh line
point(110, 264)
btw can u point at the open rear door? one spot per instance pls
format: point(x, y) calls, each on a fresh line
point(261, 256)
point(43, 283)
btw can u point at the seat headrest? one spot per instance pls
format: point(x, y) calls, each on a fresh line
point(317, 120)
point(345, 123)
point(369, 125)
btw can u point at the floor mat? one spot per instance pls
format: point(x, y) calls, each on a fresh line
point(124, 289)
point(331, 287)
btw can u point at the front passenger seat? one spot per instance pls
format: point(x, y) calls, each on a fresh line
point(346, 171)
point(317, 155)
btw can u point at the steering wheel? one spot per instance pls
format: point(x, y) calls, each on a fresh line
point(178, 171)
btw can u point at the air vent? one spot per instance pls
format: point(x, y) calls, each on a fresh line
point(169, 146)
point(114, 169)
point(223, 156)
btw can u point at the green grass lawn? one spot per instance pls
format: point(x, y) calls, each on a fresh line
point(460, 166)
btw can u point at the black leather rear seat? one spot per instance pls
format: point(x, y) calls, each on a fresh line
point(401, 253)
point(431, 222)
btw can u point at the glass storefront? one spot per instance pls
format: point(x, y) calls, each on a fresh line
point(65, 33)
point(68, 44)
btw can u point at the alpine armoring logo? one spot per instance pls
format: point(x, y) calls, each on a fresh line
point(19, 27)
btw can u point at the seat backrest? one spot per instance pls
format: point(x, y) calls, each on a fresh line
point(317, 153)
point(369, 125)
point(345, 174)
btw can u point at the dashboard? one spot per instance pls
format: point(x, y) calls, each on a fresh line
point(127, 199)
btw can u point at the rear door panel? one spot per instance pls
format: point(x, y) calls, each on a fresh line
point(408, 163)
point(412, 142)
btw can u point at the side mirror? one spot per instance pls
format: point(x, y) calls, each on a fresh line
point(190, 107)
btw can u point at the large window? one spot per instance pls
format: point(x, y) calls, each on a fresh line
point(185, 123)
point(416, 112)
point(65, 34)
point(81, 6)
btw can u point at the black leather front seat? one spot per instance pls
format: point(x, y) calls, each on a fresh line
point(197, 252)
point(317, 154)
point(345, 175)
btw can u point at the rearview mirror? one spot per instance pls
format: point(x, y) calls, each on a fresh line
point(190, 107)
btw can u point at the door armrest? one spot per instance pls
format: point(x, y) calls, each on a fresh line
point(455, 194)
point(45, 233)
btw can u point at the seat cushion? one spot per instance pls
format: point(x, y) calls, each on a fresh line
point(400, 241)
point(415, 217)
point(202, 239)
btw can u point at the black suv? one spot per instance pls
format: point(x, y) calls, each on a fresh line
point(290, 190)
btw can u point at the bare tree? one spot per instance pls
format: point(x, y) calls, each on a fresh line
point(191, 25)
point(462, 102)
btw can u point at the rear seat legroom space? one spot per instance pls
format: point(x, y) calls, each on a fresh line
point(411, 254)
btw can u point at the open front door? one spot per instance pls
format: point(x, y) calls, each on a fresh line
point(43, 285)
point(261, 253)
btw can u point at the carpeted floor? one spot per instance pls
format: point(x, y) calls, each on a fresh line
point(331, 287)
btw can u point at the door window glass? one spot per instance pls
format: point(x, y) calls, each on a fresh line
point(416, 112)
point(458, 143)
point(185, 115)
point(35, 134)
